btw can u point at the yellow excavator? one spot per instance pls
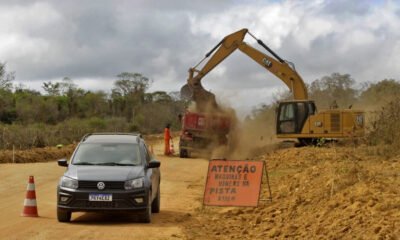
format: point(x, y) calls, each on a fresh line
point(297, 118)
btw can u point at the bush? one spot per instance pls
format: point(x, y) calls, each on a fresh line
point(69, 131)
point(97, 124)
point(385, 127)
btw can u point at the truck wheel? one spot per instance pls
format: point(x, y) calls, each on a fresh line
point(183, 153)
point(63, 215)
point(307, 141)
point(155, 205)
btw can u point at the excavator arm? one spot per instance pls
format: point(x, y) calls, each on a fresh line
point(193, 90)
point(224, 48)
point(282, 70)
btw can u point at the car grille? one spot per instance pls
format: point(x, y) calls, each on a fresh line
point(117, 203)
point(108, 185)
point(100, 204)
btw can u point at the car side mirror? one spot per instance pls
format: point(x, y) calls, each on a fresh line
point(153, 164)
point(62, 162)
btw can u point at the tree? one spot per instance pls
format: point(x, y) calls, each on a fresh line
point(67, 85)
point(52, 89)
point(129, 93)
point(161, 96)
point(131, 83)
point(94, 104)
point(381, 92)
point(336, 87)
point(7, 107)
point(6, 79)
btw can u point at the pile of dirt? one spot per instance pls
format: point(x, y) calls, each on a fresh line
point(329, 193)
point(36, 154)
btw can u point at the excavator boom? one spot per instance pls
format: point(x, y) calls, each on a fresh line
point(224, 48)
point(282, 70)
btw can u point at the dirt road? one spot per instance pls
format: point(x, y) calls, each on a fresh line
point(179, 197)
point(332, 192)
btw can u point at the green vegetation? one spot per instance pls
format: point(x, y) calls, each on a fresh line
point(65, 112)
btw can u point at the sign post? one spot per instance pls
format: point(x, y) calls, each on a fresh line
point(233, 183)
point(267, 182)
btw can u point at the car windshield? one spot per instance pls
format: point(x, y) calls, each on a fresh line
point(108, 154)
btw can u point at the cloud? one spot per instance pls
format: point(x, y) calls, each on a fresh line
point(317, 37)
point(93, 41)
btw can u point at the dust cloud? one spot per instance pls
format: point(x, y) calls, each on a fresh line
point(245, 139)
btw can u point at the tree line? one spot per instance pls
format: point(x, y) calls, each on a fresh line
point(342, 90)
point(62, 100)
point(63, 112)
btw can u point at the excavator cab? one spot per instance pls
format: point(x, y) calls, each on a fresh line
point(291, 115)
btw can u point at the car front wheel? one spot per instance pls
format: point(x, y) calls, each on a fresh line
point(63, 215)
point(183, 153)
point(155, 206)
point(146, 216)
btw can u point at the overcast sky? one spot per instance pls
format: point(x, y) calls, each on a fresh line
point(92, 41)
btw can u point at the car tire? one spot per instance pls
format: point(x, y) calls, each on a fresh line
point(63, 215)
point(146, 216)
point(155, 205)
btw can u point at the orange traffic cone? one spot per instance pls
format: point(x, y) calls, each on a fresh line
point(30, 207)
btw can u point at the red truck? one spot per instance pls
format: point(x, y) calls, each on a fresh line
point(201, 132)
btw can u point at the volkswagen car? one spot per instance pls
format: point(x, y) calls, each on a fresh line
point(110, 172)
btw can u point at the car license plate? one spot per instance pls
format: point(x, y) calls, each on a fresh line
point(102, 197)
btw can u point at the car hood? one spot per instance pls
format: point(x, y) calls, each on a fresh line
point(104, 173)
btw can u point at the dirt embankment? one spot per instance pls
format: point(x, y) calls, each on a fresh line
point(36, 154)
point(327, 193)
point(47, 154)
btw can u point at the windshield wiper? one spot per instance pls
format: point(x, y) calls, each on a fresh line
point(84, 163)
point(117, 164)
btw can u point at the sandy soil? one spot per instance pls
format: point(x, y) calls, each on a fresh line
point(318, 193)
point(334, 192)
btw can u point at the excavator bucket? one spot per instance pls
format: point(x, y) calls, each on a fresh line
point(186, 92)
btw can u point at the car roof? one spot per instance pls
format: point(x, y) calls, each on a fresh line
point(112, 138)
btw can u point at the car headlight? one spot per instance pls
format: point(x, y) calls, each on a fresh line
point(67, 182)
point(134, 183)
